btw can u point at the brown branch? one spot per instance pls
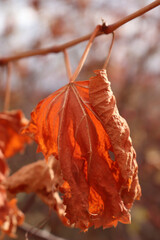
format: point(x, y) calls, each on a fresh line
point(104, 30)
point(132, 16)
point(41, 234)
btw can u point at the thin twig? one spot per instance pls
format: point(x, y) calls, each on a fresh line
point(8, 87)
point(36, 228)
point(43, 222)
point(104, 30)
point(67, 63)
point(109, 53)
point(41, 234)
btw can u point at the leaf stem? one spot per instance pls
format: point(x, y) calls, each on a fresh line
point(84, 56)
point(67, 63)
point(109, 53)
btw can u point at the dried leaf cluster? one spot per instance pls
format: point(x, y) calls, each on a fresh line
point(11, 142)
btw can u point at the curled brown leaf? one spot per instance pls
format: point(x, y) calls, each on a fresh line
point(44, 184)
point(104, 104)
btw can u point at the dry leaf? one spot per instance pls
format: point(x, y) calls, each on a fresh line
point(66, 126)
point(10, 217)
point(11, 140)
point(3, 167)
point(44, 185)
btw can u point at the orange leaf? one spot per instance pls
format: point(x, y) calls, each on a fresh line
point(11, 141)
point(66, 126)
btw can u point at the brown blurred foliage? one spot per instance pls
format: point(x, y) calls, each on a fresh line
point(134, 73)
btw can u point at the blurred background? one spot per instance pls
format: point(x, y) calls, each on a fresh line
point(134, 72)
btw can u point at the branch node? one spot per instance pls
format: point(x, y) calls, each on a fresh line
point(104, 27)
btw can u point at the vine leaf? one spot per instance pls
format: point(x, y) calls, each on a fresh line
point(11, 140)
point(66, 126)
